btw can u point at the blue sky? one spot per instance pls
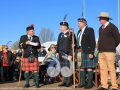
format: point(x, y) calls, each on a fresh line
point(16, 15)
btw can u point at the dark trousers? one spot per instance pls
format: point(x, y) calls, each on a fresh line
point(42, 71)
point(5, 71)
point(16, 74)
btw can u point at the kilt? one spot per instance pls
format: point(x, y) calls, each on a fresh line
point(64, 62)
point(27, 66)
point(86, 61)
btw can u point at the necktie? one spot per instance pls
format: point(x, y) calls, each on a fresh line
point(79, 34)
point(30, 38)
point(103, 26)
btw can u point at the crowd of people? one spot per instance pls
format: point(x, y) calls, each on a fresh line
point(9, 63)
point(86, 50)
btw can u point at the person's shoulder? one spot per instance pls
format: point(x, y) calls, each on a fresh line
point(23, 36)
point(35, 36)
point(60, 33)
point(10, 52)
point(0, 52)
point(111, 24)
point(90, 28)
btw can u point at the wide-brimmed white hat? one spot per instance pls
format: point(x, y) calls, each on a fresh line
point(43, 46)
point(105, 14)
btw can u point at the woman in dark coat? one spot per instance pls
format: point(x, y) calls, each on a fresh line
point(7, 60)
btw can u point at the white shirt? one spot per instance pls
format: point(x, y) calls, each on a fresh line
point(82, 31)
point(65, 33)
point(29, 37)
point(106, 24)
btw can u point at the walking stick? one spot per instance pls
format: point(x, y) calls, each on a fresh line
point(73, 56)
point(20, 65)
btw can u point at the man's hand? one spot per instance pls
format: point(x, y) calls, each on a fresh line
point(69, 58)
point(57, 55)
point(37, 43)
point(28, 42)
point(90, 56)
point(73, 45)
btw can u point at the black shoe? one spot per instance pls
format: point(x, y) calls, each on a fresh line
point(50, 81)
point(89, 87)
point(102, 88)
point(80, 86)
point(68, 85)
point(63, 84)
point(37, 85)
point(26, 86)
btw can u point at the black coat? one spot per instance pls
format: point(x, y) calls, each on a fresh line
point(26, 47)
point(64, 44)
point(42, 53)
point(10, 57)
point(88, 42)
point(17, 65)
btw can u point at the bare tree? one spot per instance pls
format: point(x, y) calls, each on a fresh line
point(15, 45)
point(46, 34)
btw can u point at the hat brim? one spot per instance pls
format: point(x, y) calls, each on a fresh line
point(105, 17)
point(43, 46)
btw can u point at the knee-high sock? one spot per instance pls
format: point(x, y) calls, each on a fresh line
point(36, 77)
point(27, 77)
point(83, 74)
point(90, 77)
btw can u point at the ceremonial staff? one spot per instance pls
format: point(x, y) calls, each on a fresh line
point(21, 65)
point(73, 55)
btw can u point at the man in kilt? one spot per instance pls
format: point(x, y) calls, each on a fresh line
point(30, 43)
point(64, 52)
point(86, 43)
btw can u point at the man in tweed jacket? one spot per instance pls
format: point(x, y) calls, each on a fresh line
point(30, 43)
point(86, 42)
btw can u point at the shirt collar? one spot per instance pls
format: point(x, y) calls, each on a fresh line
point(65, 32)
point(28, 36)
point(83, 29)
point(106, 24)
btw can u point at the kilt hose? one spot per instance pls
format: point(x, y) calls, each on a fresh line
point(27, 66)
point(86, 61)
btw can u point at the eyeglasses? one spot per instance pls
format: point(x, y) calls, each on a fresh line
point(52, 47)
point(6, 48)
point(17, 59)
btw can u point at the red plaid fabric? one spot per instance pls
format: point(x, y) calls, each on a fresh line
point(27, 66)
point(5, 59)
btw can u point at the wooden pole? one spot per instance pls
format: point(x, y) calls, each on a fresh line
point(20, 67)
point(73, 57)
